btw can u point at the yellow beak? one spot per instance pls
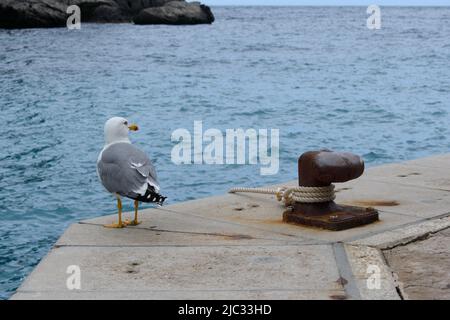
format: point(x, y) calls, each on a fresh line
point(133, 127)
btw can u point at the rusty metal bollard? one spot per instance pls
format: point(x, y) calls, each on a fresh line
point(321, 169)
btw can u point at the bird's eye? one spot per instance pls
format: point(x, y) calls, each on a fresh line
point(125, 123)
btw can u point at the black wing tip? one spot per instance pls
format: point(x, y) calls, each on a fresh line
point(161, 200)
point(151, 196)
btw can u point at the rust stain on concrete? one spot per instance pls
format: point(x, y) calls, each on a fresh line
point(375, 203)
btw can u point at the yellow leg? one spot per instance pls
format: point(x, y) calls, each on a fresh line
point(120, 224)
point(135, 222)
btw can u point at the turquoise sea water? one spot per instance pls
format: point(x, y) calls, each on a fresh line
point(317, 74)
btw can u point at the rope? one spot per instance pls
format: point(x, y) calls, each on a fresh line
point(290, 195)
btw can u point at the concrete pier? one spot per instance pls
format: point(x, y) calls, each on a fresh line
point(236, 246)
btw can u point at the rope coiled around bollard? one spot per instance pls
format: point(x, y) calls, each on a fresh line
point(290, 195)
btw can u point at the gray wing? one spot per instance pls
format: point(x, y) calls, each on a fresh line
point(126, 170)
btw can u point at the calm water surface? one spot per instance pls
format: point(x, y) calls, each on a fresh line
point(317, 74)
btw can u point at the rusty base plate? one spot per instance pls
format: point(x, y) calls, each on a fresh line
point(341, 218)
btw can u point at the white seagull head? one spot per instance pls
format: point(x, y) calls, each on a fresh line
point(116, 130)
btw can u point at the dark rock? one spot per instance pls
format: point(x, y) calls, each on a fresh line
point(32, 14)
point(52, 13)
point(176, 12)
point(118, 10)
point(43, 13)
point(99, 10)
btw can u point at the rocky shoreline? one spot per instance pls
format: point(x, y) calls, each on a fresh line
point(15, 14)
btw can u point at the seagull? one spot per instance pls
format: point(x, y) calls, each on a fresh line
point(126, 171)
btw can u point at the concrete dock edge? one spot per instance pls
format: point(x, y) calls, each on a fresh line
point(236, 246)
